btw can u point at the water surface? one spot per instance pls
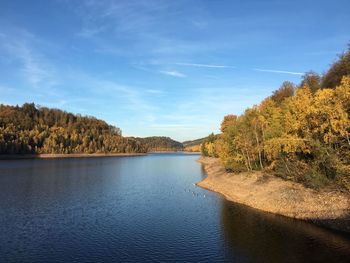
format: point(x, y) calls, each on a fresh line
point(142, 209)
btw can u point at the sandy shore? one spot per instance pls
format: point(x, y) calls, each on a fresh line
point(184, 152)
point(71, 155)
point(272, 194)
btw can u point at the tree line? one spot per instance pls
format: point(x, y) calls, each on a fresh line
point(300, 132)
point(31, 129)
point(193, 145)
point(34, 130)
point(160, 143)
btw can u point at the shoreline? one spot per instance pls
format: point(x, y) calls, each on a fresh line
point(68, 155)
point(184, 152)
point(170, 152)
point(80, 155)
point(271, 194)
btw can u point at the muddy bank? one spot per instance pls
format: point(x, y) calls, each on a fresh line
point(271, 194)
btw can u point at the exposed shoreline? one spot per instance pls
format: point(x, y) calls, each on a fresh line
point(184, 152)
point(70, 155)
point(79, 155)
point(274, 195)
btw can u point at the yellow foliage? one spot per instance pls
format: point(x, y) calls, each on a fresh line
point(286, 145)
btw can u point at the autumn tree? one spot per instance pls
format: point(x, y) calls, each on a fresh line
point(301, 133)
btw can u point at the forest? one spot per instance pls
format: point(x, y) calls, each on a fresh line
point(193, 145)
point(300, 133)
point(36, 130)
point(31, 129)
point(159, 143)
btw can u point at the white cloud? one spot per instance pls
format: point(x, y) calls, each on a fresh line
point(154, 91)
point(200, 24)
point(89, 32)
point(34, 67)
point(202, 65)
point(145, 24)
point(173, 73)
point(279, 71)
point(123, 16)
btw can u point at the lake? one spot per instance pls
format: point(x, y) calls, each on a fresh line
point(142, 209)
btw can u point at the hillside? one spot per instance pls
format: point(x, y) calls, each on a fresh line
point(160, 143)
point(193, 142)
point(194, 145)
point(40, 130)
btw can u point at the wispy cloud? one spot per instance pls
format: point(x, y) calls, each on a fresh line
point(202, 65)
point(5, 89)
point(173, 73)
point(227, 66)
point(33, 66)
point(154, 91)
point(145, 24)
point(171, 126)
point(89, 32)
point(279, 71)
point(123, 16)
point(200, 24)
point(127, 97)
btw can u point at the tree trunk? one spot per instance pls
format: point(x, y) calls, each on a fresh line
point(245, 160)
point(249, 163)
point(259, 150)
point(347, 137)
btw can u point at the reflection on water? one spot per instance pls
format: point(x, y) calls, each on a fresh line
point(203, 173)
point(142, 209)
point(264, 237)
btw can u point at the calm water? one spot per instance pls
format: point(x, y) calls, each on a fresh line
point(142, 209)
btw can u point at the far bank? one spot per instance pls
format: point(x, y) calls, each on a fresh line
point(70, 155)
point(83, 155)
point(275, 195)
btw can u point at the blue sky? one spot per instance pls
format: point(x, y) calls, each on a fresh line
point(171, 68)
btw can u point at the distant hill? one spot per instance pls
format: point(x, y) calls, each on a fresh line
point(194, 145)
point(30, 129)
point(160, 143)
point(193, 142)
